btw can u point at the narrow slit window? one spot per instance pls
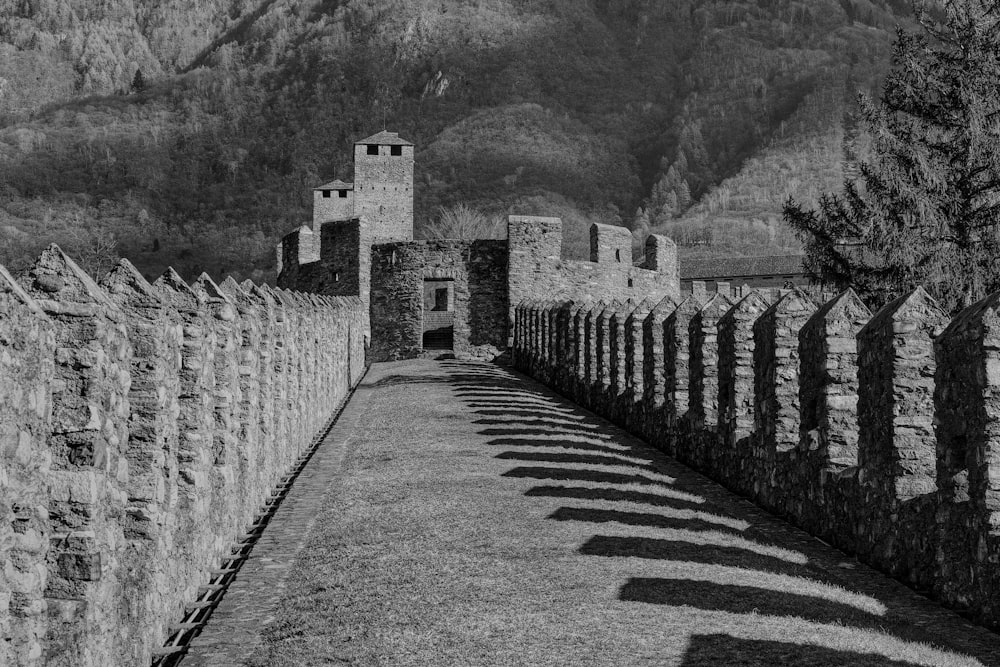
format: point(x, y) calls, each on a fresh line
point(618, 255)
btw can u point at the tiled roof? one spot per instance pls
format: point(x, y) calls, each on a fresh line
point(384, 138)
point(742, 267)
point(336, 185)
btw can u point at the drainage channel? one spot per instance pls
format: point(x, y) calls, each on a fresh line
point(197, 613)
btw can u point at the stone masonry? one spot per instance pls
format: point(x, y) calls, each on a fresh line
point(874, 432)
point(140, 427)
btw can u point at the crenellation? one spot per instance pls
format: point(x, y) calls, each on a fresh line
point(618, 334)
point(871, 432)
point(654, 368)
point(897, 447)
point(736, 348)
point(776, 390)
point(141, 426)
point(89, 470)
point(27, 371)
point(603, 345)
point(592, 377)
point(154, 395)
point(676, 365)
point(703, 383)
point(635, 350)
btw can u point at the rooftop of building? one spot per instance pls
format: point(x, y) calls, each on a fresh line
point(742, 267)
point(336, 185)
point(385, 138)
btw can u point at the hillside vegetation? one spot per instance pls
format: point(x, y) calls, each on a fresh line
point(692, 117)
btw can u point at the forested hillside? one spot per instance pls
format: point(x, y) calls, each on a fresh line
point(190, 133)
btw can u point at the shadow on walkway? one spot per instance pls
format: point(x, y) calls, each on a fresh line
point(782, 573)
point(715, 650)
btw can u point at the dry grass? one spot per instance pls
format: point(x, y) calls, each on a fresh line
point(463, 536)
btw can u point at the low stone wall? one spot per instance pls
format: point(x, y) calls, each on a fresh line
point(876, 433)
point(140, 427)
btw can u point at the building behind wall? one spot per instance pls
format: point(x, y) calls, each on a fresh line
point(425, 297)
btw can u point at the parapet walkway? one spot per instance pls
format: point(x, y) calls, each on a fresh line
point(460, 514)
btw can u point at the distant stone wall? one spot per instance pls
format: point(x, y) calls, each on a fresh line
point(537, 272)
point(875, 433)
point(140, 428)
point(332, 204)
point(477, 271)
point(334, 260)
point(488, 276)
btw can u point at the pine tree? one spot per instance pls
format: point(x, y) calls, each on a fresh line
point(138, 82)
point(926, 207)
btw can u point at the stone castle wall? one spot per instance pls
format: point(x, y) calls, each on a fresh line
point(140, 427)
point(487, 275)
point(477, 271)
point(332, 204)
point(537, 272)
point(334, 260)
point(875, 433)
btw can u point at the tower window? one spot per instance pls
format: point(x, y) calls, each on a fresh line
point(395, 150)
point(342, 194)
point(326, 194)
point(373, 149)
point(618, 255)
point(336, 277)
point(630, 282)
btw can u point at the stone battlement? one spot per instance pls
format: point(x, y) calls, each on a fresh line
point(874, 433)
point(141, 427)
point(484, 277)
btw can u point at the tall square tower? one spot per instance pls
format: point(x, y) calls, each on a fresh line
point(383, 186)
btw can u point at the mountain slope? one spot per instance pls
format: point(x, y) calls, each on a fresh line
point(634, 112)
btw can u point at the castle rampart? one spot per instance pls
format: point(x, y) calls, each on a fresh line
point(398, 279)
point(872, 432)
point(141, 427)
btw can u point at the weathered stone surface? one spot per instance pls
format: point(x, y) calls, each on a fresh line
point(736, 390)
point(676, 364)
point(825, 415)
point(896, 447)
point(140, 427)
point(776, 405)
point(27, 347)
point(695, 445)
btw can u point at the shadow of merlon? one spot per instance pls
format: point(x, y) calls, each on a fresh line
point(690, 522)
point(716, 650)
point(734, 599)
point(666, 497)
point(541, 472)
point(584, 459)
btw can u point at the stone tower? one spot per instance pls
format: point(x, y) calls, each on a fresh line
point(383, 186)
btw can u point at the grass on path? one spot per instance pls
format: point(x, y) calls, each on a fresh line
point(481, 520)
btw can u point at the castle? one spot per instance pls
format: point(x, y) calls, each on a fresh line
point(147, 428)
point(425, 296)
